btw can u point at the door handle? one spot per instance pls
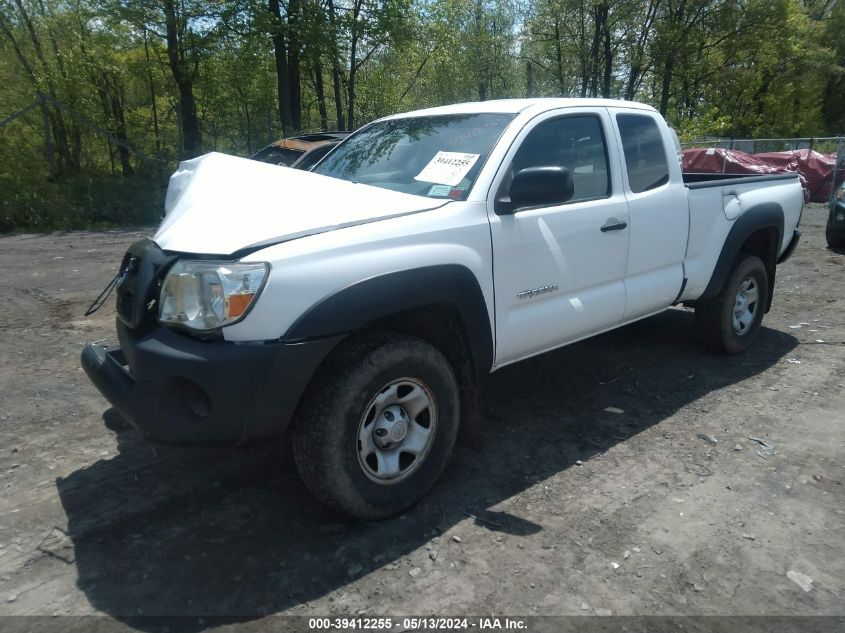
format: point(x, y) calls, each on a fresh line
point(614, 225)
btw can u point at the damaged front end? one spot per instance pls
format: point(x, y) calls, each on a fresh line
point(179, 387)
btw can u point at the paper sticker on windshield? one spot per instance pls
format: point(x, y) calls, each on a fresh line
point(439, 190)
point(447, 168)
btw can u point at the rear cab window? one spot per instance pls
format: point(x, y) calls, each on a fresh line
point(645, 156)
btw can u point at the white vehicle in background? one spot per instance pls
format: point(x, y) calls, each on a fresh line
point(359, 306)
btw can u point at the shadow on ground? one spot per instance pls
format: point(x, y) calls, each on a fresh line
point(234, 533)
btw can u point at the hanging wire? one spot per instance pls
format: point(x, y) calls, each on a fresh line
point(104, 295)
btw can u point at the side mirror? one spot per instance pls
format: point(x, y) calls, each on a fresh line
point(538, 187)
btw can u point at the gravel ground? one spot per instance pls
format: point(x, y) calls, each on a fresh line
point(617, 476)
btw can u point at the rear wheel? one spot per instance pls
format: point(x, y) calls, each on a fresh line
point(377, 425)
point(730, 321)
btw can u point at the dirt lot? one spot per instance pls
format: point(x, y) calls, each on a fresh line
point(594, 492)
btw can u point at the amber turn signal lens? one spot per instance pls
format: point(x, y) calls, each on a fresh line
point(238, 303)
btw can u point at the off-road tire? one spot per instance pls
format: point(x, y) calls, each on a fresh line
point(325, 431)
point(714, 318)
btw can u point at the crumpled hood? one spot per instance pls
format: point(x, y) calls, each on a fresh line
point(220, 204)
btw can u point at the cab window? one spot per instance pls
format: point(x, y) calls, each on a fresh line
point(574, 142)
point(645, 157)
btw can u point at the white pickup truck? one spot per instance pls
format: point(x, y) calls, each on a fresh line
point(359, 306)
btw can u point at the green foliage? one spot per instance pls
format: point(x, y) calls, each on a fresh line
point(833, 110)
point(714, 67)
point(94, 200)
point(111, 81)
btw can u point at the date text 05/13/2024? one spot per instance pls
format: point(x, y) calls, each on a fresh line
point(416, 624)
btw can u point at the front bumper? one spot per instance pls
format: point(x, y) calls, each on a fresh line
point(179, 390)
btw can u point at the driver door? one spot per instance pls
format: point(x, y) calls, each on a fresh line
point(559, 270)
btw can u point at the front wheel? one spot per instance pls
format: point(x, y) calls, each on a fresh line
point(730, 321)
point(377, 425)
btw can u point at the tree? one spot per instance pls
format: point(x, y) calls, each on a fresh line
point(24, 29)
point(834, 92)
point(93, 88)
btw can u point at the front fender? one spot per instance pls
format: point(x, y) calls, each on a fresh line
point(381, 296)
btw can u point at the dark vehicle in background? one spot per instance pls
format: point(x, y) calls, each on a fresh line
point(835, 231)
point(313, 156)
point(288, 151)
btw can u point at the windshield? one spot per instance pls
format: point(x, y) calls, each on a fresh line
point(434, 156)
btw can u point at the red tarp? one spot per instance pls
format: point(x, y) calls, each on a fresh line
point(814, 169)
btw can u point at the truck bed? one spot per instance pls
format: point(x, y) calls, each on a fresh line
point(703, 181)
point(714, 198)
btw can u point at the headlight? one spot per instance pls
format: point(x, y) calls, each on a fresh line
point(208, 295)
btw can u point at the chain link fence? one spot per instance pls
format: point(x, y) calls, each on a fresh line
point(832, 149)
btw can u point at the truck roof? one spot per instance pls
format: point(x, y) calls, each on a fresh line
point(516, 106)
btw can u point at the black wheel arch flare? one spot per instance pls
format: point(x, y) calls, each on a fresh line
point(375, 298)
point(768, 215)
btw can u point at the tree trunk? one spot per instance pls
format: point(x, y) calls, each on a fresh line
point(118, 112)
point(350, 95)
point(294, 57)
point(152, 97)
point(74, 131)
point(608, 52)
point(639, 64)
point(559, 59)
point(668, 69)
point(191, 137)
point(68, 159)
point(353, 67)
point(594, 52)
point(482, 71)
point(583, 58)
point(336, 81)
point(282, 73)
point(529, 79)
point(319, 88)
point(111, 102)
point(338, 96)
point(630, 85)
point(49, 153)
